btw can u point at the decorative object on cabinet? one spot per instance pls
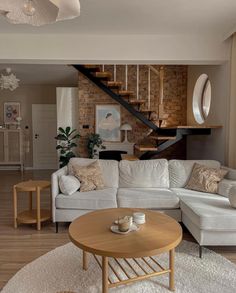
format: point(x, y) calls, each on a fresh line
point(66, 143)
point(126, 127)
point(11, 112)
point(94, 144)
point(11, 147)
point(18, 119)
point(108, 121)
point(8, 81)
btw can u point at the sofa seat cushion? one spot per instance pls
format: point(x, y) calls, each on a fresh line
point(180, 170)
point(209, 213)
point(144, 174)
point(184, 193)
point(150, 198)
point(91, 200)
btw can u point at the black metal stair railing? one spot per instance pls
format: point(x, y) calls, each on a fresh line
point(179, 133)
point(86, 72)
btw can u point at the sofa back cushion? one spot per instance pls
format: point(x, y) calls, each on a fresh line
point(110, 170)
point(180, 170)
point(141, 174)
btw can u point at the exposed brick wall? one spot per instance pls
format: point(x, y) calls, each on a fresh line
point(175, 101)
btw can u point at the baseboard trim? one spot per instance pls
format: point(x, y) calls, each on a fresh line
point(8, 168)
point(16, 168)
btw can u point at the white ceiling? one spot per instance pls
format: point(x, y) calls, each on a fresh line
point(142, 17)
point(35, 74)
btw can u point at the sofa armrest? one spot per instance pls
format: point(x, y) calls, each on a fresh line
point(55, 187)
point(231, 173)
point(225, 186)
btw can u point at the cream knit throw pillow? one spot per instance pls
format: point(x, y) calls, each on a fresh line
point(90, 176)
point(205, 179)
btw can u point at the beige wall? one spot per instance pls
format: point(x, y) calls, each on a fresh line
point(28, 95)
point(113, 49)
point(214, 145)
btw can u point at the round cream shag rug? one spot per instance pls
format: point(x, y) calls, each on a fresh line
point(60, 271)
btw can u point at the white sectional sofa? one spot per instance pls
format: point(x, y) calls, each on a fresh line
point(156, 185)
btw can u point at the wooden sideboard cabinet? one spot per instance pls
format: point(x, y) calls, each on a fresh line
point(11, 147)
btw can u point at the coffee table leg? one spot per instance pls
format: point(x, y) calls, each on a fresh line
point(38, 209)
point(15, 206)
point(104, 274)
point(30, 200)
point(172, 270)
point(85, 260)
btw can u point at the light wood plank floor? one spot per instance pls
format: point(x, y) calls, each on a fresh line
point(20, 246)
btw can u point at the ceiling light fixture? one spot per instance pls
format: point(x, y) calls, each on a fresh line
point(9, 81)
point(39, 12)
point(29, 8)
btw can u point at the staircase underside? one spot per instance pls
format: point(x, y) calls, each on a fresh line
point(163, 137)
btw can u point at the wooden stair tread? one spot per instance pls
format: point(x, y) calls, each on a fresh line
point(193, 127)
point(136, 102)
point(103, 75)
point(145, 148)
point(114, 84)
point(146, 111)
point(156, 137)
point(92, 67)
point(125, 93)
point(129, 157)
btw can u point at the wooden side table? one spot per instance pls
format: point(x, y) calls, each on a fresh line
point(31, 216)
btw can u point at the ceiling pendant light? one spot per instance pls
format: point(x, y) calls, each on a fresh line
point(9, 81)
point(39, 12)
point(29, 8)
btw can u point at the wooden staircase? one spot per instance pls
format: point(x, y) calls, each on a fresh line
point(161, 137)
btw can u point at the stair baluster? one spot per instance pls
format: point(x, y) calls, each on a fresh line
point(126, 77)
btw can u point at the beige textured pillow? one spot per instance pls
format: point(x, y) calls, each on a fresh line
point(205, 179)
point(90, 176)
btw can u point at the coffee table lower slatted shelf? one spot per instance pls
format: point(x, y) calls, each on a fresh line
point(130, 269)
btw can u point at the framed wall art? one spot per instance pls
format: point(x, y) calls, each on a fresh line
point(108, 121)
point(11, 112)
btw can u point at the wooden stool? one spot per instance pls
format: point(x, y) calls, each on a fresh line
point(31, 216)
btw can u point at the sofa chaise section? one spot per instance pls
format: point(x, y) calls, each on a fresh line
point(209, 217)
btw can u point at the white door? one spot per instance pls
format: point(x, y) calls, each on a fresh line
point(44, 118)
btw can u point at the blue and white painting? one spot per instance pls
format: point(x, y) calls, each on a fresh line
point(108, 122)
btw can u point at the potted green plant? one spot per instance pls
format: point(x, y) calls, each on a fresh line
point(66, 139)
point(94, 143)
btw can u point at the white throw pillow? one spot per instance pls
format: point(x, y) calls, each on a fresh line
point(68, 184)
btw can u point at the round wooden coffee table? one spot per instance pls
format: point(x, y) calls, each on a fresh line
point(160, 233)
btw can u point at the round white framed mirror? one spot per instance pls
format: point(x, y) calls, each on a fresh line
point(201, 98)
